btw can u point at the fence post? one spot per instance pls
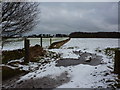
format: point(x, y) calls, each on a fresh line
point(50, 40)
point(27, 53)
point(41, 41)
point(117, 62)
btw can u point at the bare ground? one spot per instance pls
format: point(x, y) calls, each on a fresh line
point(44, 82)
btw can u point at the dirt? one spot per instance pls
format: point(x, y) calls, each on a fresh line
point(44, 82)
point(8, 72)
point(10, 82)
point(35, 51)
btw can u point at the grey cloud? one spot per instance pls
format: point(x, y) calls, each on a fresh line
point(81, 16)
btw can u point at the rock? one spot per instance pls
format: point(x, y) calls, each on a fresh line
point(31, 78)
point(99, 86)
point(20, 82)
point(94, 75)
point(45, 62)
point(109, 81)
point(44, 70)
point(106, 74)
point(88, 58)
point(95, 67)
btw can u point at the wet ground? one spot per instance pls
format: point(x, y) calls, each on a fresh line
point(85, 58)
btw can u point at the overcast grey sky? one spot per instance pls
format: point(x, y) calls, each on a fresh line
point(58, 17)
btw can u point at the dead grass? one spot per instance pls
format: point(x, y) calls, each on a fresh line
point(35, 52)
point(12, 55)
point(9, 72)
point(58, 44)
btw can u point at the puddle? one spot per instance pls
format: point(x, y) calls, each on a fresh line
point(85, 58)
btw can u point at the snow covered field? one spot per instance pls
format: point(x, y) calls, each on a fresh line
point(90, 44)
point(85, 44)
point(18, 43)
point(81, 76)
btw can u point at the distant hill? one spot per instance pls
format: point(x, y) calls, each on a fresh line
point(94, 35)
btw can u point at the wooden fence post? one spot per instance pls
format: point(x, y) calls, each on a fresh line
point(27, 53)
point(41, 41)
point(117, 62)
point(50, 40)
